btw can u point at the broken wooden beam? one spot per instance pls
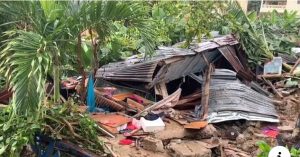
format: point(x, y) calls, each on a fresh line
point(273, 88)
point(161, 89)
point(169, 101)
point(134, 105)
point(189, 98)
point(295, 66)
point(205, 92)
point(274, 76)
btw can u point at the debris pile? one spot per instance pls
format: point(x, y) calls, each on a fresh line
point(201, 101)
point(232, 100)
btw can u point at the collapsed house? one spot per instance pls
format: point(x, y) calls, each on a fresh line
point(170, 67)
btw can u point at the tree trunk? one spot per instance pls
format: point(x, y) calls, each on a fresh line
point(95, 47)
point(81, 68)
point(56, 75)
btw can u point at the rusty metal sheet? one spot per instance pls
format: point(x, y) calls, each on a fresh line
point(103, 101)
point(208, 45)
point(230, 54)
point(184, 67)
point(225, 40)
point(169, 63)
point(141, 72)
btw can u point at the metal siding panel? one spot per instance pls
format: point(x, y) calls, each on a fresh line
point(231, 100)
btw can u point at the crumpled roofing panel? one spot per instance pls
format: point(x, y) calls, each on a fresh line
point(168, 64)
point(229, 99)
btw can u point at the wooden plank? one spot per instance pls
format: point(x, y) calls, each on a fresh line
point(190, 98)
point(135, 105)
point(161, 89)
point(295, 66)
point(205, 59)
point(205, 92)
point(171, 99)
point(273, 88)
point(121, 96)
point(196, 125)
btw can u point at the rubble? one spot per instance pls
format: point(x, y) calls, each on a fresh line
point(190, 149)
point(152, 144)
point(232, 100)
point(200, 101)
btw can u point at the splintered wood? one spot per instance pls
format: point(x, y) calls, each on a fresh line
point(205, 92)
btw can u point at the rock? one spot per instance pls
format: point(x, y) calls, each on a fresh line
point(251, 129)
point(231, 134)
point(190, 149)
point(177, 141)
point(296, 132)
point(208, 132)
point(258, 135)
point(251, 123)
point(258, 125)
point(152, 144)
point(288, 128)
point(240, 139)
point(249, 146)
point(211, 143)
point(174, 130)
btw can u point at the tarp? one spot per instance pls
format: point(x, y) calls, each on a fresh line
point(91, 94)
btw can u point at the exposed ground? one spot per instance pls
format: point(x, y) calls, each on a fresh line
point(236, 138)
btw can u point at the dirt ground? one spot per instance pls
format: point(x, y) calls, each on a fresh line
point(234, 136)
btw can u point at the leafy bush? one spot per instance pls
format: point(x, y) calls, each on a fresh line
point(265, 149)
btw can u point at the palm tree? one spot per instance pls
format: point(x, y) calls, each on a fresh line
point(31, 50)
point(46, 32)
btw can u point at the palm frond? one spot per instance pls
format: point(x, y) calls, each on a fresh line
point(26, 63)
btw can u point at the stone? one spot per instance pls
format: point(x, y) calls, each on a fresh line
point(208, 132)
point(251, 129)
point(177, 141)
point(296, 132)
point(190, 149)
point(288, 128)
point(231, 134)
point(240, 139)
point(152, 144)
point(249, 146)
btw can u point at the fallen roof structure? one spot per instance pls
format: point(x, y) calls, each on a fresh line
point(226, 97)
point(231, 100)
point(171, 63)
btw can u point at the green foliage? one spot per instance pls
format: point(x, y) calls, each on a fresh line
point(295, 152)
point(65, 122)
point(25, 62)
point(265, 149)
point(61, 122)
point(242, 25)
point(170, 21)
point(282, 27)
point(262, 36)
point(44, 36)
point(16, 132)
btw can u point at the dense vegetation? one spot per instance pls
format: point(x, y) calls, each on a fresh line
point(57, 38)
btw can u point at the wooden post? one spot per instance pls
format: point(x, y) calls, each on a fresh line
point(205, 92)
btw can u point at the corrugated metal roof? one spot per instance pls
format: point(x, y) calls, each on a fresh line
point(231, 100)
point(168, 64)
